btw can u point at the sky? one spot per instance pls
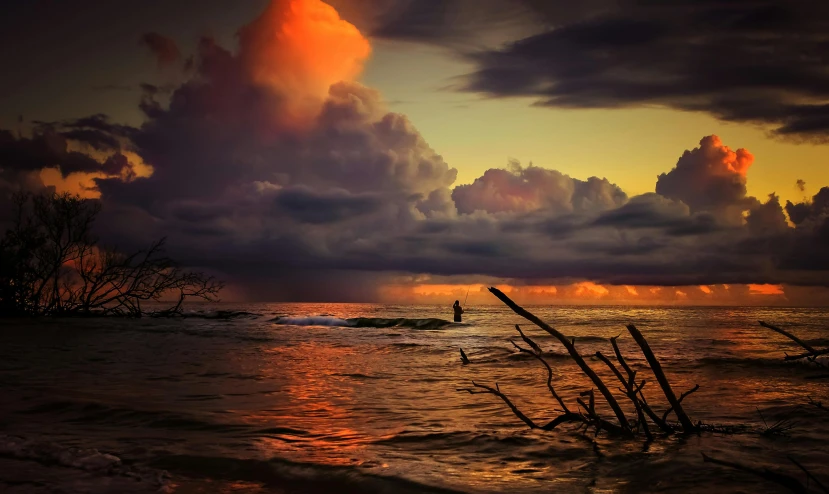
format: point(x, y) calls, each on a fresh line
point(408, 151)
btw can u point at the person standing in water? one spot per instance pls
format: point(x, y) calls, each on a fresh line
point(458, 310)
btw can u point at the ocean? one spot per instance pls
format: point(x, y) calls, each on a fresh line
point(365, 398)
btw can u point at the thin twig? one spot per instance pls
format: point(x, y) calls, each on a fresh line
point(536, 352)
point(681, 397)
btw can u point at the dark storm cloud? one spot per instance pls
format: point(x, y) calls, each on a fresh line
point(461, 24)
point(761, 61)
point(49, 149)
point(321, 207)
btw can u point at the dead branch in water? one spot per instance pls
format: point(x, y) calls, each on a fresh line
point(818, 404)
point(464, 358)
point(484, 389)
point(497, 392)
point(587, 414)
point(811, 353)
point(782, 479)
point(571, 348)
point(656, 367)
point(681, 397)
point(786, 481)
point(809, 475)
point(779, 428)
point(629, 385)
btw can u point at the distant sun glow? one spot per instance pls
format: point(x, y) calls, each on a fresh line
point(586, 292)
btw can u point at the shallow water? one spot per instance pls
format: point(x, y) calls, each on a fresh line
point(364, 398)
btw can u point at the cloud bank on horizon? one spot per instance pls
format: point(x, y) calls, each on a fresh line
point(271, 166)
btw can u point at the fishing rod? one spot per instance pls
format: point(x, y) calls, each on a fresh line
point(467, 296)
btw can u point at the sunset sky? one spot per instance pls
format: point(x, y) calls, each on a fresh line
point(380, 150)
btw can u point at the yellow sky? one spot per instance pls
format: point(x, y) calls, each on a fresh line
point(630, 147)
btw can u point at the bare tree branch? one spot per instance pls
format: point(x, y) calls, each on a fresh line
point(611, 400)
point(656, 367)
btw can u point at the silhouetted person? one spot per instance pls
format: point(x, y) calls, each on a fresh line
point(458, 310)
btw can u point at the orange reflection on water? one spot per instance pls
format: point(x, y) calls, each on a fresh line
point(311, 415)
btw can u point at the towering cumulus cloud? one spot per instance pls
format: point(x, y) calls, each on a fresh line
point(300, 48)
point(712, 177)
point(274, 167)
point(519, 189)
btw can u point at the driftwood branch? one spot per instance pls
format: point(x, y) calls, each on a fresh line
point(621, 359)
point(631, 393)
point(786, 481)
point(464, 358)
point(587, 413)
point(816, 353)
point(790, 336)
point(656, 367)
point(809, 475)
point(811, 353)
point(568, 344)
point(561, 419)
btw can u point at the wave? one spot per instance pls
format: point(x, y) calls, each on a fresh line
point(221, 314)
point(311, 321)
point(88, 459)
point(97, 413)
point(365, 322)
point(287, 476)
point(292, 477)
point(592, 339)
point(754, 362)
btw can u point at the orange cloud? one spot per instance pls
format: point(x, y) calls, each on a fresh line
point(300, 48)
point(587, 288)
point(766, 290)
point(737, 162)
point(418, 292)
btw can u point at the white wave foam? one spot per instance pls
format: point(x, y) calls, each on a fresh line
point(313, 321)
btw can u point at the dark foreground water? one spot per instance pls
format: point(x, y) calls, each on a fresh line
point(316, 401)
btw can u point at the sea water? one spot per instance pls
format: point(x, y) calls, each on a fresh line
point(369, 398)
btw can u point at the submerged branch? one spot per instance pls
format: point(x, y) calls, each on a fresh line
point(792, 337)
point(809, 475)
point(497, 392)
point(786, 481)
